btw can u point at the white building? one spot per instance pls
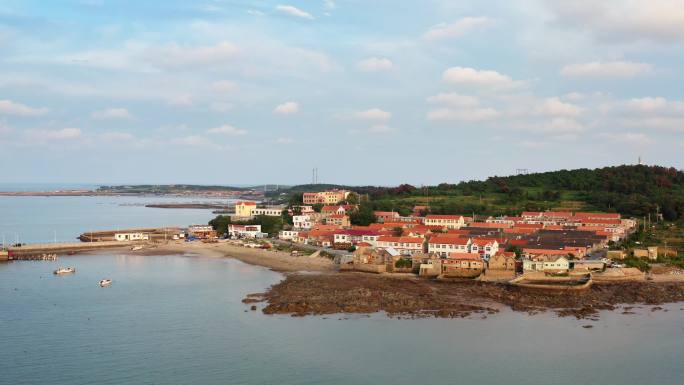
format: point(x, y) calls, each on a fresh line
point(546, 263)
point(302, 222)
point(133, 236)
point(288, 235)
point(448, 221)
point(245, 231)
point(443, 245)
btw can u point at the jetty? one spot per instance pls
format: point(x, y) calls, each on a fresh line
point(41, 251)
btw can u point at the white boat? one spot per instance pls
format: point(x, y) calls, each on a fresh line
point(136, 248)
point(105, 282)
point(65, 270)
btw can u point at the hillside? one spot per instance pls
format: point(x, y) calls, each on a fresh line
point(635, 190)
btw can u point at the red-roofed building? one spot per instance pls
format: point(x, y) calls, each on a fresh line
point(448, 221)
point(346, 238)
point(442, 245)
point(340, 220)
point(404, 245)
point(485, 247)
point(386, 216)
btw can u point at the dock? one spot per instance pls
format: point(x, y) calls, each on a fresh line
point(38, 251)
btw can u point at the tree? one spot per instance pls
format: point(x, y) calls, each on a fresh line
point(364, 215)
point(353, 198)
point(397, 231)
point(318, 207)
point(220, 224)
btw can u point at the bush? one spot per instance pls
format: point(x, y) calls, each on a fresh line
point(401, 263)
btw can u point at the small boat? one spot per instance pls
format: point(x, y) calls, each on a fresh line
point(64, 270)
point(105, 282)
point(136, 248)
point(71, 253)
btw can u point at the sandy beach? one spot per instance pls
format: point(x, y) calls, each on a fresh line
point(275, 260)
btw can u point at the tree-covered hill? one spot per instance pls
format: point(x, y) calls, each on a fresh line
point(635, 190)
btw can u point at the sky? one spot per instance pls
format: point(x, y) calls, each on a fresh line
point(369, 92)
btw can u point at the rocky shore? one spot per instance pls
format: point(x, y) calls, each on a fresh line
point(321, 294)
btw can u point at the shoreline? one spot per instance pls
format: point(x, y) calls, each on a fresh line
point(331, 292)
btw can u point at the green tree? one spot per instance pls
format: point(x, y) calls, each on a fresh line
point(364, 216)
point(220, 224)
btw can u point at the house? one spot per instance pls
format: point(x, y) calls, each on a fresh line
point(442, 245)
point(343, 239)
point(288, 235)
point(649, 252)
point(322, 238)
point(546, 263)
point(337, 209)
point(244, 208)
point(504, 260)
point(245, 231)
point(302, 222)
point(370, 260)
point(448, 221)
point(340, 220)
point(486, 247)
point(330, 197)
point(418, 211)
point(386, 216)
point(273, 211)
point(462, 265)
point(132, 236)
point(404, 245)
point(202, 231)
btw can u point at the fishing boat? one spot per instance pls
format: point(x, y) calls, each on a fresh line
point(64, 270)
point(105, 282)
point(136, 248)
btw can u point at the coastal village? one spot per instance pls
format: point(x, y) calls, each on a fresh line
point(532, 248)
point(561, 249)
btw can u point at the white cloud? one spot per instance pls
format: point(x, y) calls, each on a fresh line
point(329, 5)
point(454, 99)
point(465, 76)
point(287, 108)
point(285, 140)
point(221, 106)
point(112, 113)
point(227, 129)
point(47, 135)
point(5, 128)
point(8, 107)
point(224, 86)
point(374, 114)
point(465, 115)
point(619, 20)
point(195, 141)
point(294, 11)
point(624, 137)
point(647, 104)
point(613, 69)
point(116, 136)
point(556, 108)
point(458, 28)
point(381, 129)
point(375, 64)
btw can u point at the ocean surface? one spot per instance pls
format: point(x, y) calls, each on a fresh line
point(180, 320)
point(28, 219)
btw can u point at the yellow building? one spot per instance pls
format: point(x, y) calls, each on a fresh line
point(244, 208)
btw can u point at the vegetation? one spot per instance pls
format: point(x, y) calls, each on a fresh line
point(636, 190)
point(403, 263)
point(270, 225)
point(364, 215)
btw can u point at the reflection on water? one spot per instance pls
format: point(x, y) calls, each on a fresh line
point(180, 320)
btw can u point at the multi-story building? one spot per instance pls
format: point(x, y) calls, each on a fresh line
point(329, 197)
point(443, 245)
point(340, 220)
point(302, 222)
point(244, 208)
point(448, 221)
point(404, 245)
point(245, 231)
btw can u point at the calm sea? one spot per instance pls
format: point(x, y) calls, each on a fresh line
point(179, 320)
point(46, 219)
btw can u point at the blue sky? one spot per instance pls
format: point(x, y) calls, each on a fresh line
point(381, 92)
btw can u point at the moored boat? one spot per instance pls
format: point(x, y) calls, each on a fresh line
point(105, 282)
point(64, 270)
